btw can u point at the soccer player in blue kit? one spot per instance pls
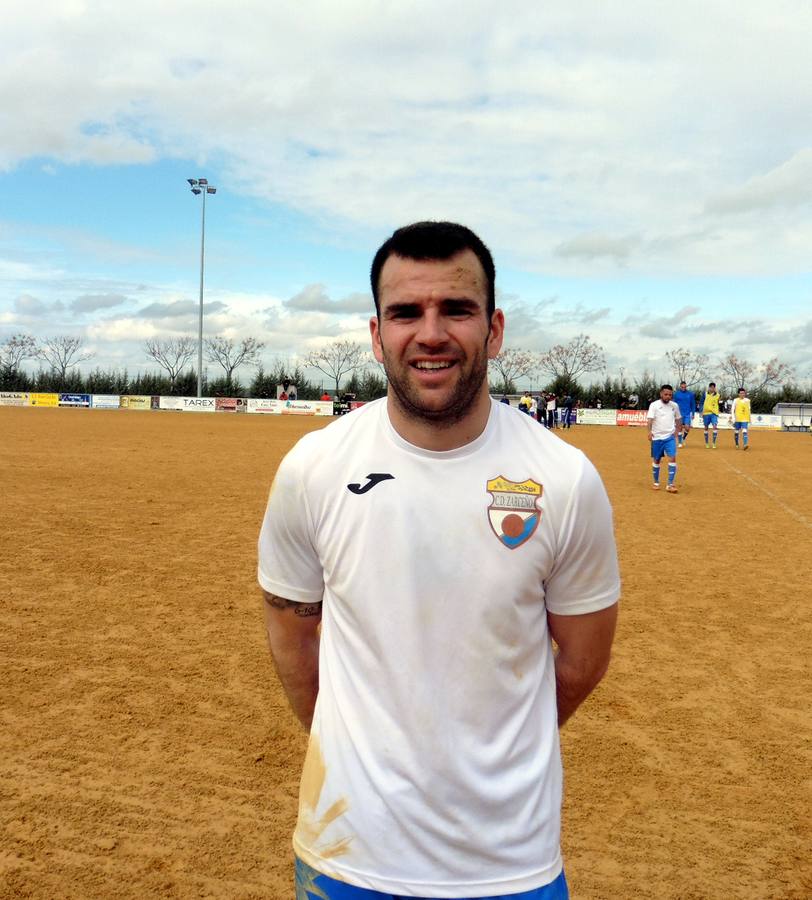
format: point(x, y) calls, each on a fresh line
point(686, 401)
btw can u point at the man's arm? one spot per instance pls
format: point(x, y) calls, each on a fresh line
point(584, 648)
point(293, 638)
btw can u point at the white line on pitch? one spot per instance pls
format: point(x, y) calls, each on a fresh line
point(794, 513)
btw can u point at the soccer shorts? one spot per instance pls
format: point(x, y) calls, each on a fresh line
point(310, 885)
point(740, 426)
point(710, 419)
point(665, 447)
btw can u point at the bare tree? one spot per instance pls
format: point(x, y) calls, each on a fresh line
point(337, 360)
point(688, 367)
point(568, 361)
point(742, 372)
point(63, 352)
point(171, 354)
point(511, 364)
point(230, 355)
point(17, 348)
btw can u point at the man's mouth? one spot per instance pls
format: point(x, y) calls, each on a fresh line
point(433, 364)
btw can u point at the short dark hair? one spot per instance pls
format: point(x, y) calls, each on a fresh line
point(433, 240)
point(712, 384)
point(684, 382)
point(666, 387)
point(743, 388)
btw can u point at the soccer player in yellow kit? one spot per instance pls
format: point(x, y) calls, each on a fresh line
point(710, 413)
point(740, 415)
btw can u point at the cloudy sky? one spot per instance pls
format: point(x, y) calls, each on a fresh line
point(642, 171)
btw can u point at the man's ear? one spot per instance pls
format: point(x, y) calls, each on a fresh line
point(496, 333)
point(375, 334)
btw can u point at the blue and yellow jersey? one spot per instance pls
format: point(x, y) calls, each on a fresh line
point(741, 409)
point(710, 404)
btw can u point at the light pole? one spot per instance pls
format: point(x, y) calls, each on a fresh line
point(201, 186)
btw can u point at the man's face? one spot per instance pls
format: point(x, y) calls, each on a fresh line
point(712, 389)
point(666, 394)
point(742, 394)
point(683, 386)
point(433, 336)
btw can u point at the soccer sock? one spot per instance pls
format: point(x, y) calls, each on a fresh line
point(736, 437)
point(715, 435)
point(672, 472)
point(744, 438)
point(655, 471)
point(706, 438)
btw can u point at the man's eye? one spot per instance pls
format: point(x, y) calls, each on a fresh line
point(403, 314)
point(459, 311)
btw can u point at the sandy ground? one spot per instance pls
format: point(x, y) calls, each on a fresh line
point(146, 749)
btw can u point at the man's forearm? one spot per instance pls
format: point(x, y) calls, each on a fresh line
point(293, 638)
point(574, 682)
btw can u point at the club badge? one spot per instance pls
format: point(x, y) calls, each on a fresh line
point(514, 514)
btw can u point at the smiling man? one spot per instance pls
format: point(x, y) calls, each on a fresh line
point(441, 542)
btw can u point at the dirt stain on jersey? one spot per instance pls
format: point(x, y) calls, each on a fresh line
point(310, 828)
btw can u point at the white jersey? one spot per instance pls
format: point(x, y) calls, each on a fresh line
point(663, 418)
point(433, 767)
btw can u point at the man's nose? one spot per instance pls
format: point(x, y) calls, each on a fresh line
point(432, 330)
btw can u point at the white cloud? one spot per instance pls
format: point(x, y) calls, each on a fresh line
point(93, 302)
point(314, 298)
point(787, 186)
point(541, 126)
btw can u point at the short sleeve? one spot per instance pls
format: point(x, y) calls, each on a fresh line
point(585, 577)
point(289, 564)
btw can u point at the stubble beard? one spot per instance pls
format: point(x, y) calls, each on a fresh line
point(460, 403)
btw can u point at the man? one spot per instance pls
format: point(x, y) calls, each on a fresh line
point(740, 417)
point(686, 401)
point(569, 404)
point(551, 405)
point(710, 413)
point(664, 424)
point(525, 403)
point(431, 691)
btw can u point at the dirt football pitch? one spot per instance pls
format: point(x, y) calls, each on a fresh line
point(146, 749)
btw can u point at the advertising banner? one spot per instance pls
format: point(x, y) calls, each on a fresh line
point(134, 402)
point(229, 404)
point(265, 405)
point(74, 400)
point(13, 398)
point(595, 417)
point(635, 417)
point(43, 399)
point(188, 404)
point(305, 407)
point(766, 421)
point(105, 401)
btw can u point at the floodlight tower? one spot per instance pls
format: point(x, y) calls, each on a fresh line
point(201, 186)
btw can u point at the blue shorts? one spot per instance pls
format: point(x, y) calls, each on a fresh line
point(739, 426)
point(665, 447)
point(710, 419)
point(310, 885)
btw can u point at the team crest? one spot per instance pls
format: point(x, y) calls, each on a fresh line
point(514, 514)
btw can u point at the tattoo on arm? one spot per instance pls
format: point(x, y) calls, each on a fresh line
point(313, 609)
point(299, 609)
